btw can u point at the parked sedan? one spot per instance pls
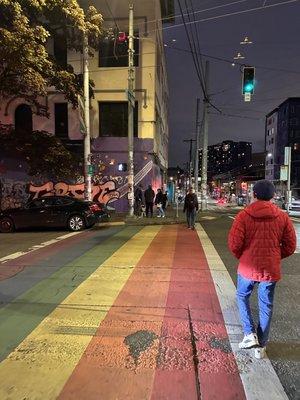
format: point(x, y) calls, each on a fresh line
point(57, 211)
point(294, 208)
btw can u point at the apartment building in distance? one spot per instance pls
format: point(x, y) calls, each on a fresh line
point(283, 129)
point(227, 156)
point(109, 106)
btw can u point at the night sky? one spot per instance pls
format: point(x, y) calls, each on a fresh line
point(275, 33)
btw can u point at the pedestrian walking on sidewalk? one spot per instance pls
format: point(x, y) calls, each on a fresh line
point(138, 201)
point(260, 237)
point(164, 200)
point(191, 207)
point(159, 203)
point(149, 198)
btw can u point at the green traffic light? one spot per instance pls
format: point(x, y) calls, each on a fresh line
point(249, 87)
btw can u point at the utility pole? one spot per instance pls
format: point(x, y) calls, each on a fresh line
point(131, 105)
point(205, 138)
point(190, 158)
point(87, 137)
point(288, 163)
point(198, 131)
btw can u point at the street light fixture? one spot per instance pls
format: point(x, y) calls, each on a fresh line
point(239, 56)
point(246, 41)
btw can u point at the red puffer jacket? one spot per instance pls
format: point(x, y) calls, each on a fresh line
point(260, 237)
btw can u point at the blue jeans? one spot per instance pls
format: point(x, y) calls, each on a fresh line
point(190, 217)
point(265, 306)
point(160, 212)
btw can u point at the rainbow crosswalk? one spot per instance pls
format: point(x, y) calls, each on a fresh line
point(127, 313)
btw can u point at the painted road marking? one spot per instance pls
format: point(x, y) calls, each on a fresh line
point(113, 366)
point(195, 360)
point(37, 247)
point(258, 376)
point(23, 314)
point(40, 366)
point(295, 220)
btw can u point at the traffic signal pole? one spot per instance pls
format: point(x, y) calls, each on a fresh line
point(131, 100)
point(205, 139)
point(198, 132)
point(87, 135)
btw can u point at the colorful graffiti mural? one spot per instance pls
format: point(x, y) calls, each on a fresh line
point(109, 186)
point(102, 193)
point(13, 194)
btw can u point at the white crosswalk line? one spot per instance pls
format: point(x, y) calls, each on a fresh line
point(258, 376)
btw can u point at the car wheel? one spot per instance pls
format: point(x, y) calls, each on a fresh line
point(76, 223)
point(6, 225)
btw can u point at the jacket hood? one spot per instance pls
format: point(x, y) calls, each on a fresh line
point(263, 209)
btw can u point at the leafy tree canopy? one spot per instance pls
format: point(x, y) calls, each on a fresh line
point(26, 67)
point(44, 154)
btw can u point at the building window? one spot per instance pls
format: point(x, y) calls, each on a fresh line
point(296, 147)
point(61, 120)
point(60, 50)
point(23, 118)
point(294, 121)
point(113, 118)
point(115, 54)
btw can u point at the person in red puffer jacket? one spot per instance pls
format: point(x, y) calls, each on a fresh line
point(260, 237)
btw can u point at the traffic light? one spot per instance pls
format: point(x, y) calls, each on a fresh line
point(122, 167)
point(248, 80)
point(122, 37)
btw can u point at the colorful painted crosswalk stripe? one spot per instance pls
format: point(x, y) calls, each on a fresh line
point(148, 317)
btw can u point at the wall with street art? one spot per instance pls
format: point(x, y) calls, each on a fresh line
point(109, 183)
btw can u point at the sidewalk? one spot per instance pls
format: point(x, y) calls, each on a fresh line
point(156, 320)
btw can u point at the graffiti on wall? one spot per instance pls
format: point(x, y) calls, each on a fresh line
point(13, 194)
point(107, 190)
point(102, 193)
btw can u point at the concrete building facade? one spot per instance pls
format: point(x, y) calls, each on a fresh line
point(109, 105)
point(283, 129)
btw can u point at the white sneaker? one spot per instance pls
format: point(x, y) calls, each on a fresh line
point(260, 352)
point(249, 341)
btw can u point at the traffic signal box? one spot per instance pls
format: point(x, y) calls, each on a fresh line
point(248, 80)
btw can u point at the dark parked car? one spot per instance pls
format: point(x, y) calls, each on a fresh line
point(57, 211)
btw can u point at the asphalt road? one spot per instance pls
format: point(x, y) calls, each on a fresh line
point(284, 346)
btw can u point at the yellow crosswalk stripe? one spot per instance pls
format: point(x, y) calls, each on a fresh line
point(39, 367)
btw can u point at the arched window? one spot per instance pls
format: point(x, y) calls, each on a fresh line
point(23, 118)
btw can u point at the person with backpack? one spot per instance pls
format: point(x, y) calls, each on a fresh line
point(149, 198)
point(260, 237)
point(190, 207)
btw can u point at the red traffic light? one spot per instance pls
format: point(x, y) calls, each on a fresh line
point(122, 37)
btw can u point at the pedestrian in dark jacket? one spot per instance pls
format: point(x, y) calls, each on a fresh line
point(164, 200)
point(191, 207)
point(149, 198)
point(159, 203)
point(138, 200)
point(260, 237)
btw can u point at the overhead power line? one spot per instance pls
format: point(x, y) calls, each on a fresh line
point(226, 60)
point(227, 15)
point(171, 17)
point(193, 52)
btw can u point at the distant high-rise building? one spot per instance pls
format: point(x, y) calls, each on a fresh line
point(228, 155)
point(283, 129)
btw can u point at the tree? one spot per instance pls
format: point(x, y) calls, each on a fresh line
point(26, 67)
point(44, 154)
